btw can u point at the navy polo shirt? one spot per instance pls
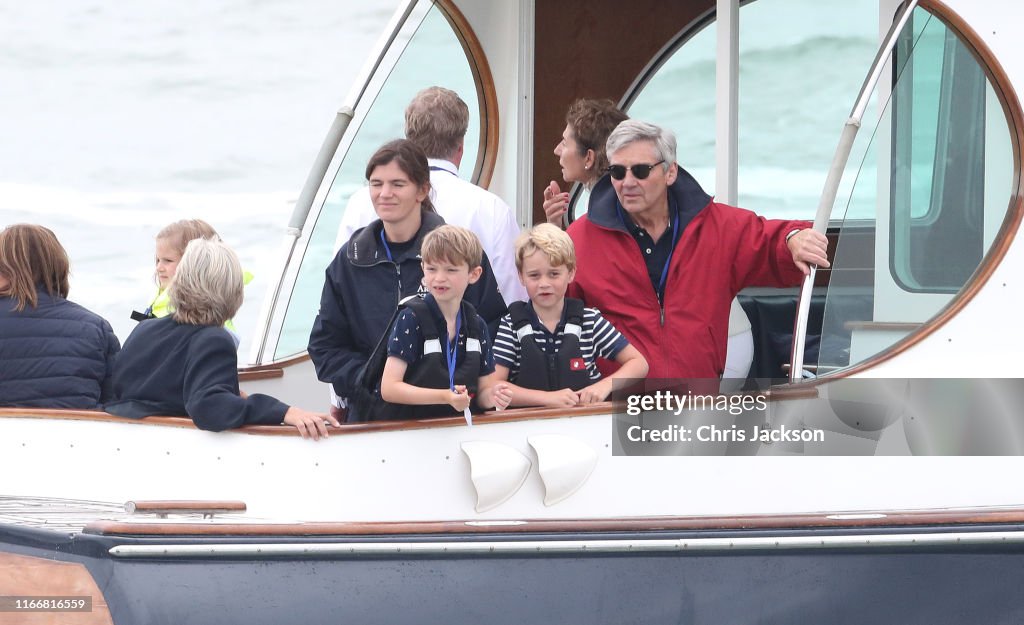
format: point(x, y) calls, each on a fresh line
point(655, 253)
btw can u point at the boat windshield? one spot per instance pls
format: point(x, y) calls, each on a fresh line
point(427, 51)
point(921, 201)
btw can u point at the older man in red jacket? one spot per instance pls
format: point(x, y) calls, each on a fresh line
point(662, 260)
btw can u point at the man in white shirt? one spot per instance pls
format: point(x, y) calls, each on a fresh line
point(436, 120)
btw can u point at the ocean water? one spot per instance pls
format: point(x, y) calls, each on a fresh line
point(119, 118)
point(802, 63)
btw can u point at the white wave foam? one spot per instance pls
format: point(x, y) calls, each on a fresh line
point(141, 208)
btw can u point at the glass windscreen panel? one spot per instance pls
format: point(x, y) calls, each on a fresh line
point(425, 54)
point(924, 196)
point(801, 63)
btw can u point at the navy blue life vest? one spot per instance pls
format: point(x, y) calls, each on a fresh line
point(429, 371)
point(555, 370)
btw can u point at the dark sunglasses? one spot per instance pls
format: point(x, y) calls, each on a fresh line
point(640, 172)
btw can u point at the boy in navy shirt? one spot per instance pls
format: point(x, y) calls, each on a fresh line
point(439, 354)
point(548, 346)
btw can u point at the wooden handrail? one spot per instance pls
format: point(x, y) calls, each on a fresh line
point(165, 507)
point(505, 416)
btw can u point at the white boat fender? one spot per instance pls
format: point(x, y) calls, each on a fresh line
point(564, 463)
point(497, 470)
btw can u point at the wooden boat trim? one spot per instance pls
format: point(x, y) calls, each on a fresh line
point(277, 364)
point(775, 394)
point(518, 414)
point(838, 520)
point(270, 370)
point(487, 148)
point(790, 393)
point(165, 507)
point(32, 577)
point(263, 374)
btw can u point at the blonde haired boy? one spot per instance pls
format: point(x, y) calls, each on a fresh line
point(548, 347)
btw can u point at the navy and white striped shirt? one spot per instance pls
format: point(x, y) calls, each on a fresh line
point(598, 339)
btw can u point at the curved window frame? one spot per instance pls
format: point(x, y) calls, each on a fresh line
point(486, 92)
point(354, 106)
point(1011, 106)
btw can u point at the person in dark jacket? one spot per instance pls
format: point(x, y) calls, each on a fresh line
point(379, 266)
point(185, 363)
point(53, 353)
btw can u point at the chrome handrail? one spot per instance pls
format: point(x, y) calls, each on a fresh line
point(328, 148)
point(835, 175)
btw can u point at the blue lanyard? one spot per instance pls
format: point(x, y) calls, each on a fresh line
point(387, 250)
point(436, 168)
point(451, 350)
point(671, 251)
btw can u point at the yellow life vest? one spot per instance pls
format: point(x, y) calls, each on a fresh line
point(161, 304)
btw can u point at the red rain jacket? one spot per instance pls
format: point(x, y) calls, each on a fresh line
point(722, 249)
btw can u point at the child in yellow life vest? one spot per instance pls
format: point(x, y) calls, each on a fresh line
point(170, 245)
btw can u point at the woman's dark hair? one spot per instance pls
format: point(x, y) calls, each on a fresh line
point(410, 159)
point(591, 122)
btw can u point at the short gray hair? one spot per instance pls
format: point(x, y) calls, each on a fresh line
point(437, 120)
point(633, 130)
point(207, 287)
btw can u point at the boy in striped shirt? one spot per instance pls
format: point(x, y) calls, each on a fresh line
point(547, 347)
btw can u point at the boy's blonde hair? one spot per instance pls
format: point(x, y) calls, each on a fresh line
point(181, 232)
point(207, 288)
point(551, 240)
point(454, 245)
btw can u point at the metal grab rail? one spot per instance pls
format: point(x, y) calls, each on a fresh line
point(304, 203)
point(345, 115)
point(835, 174)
